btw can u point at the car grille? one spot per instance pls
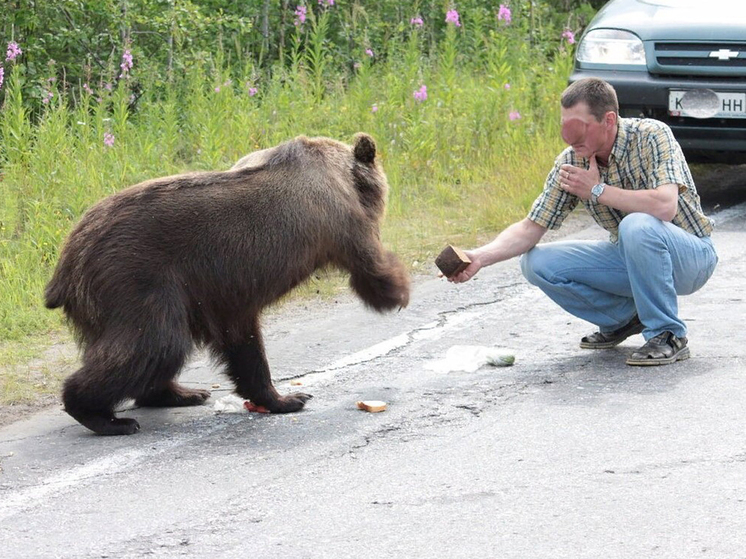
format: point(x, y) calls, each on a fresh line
point(700, 58)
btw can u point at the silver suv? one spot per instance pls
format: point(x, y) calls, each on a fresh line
point(679, 61)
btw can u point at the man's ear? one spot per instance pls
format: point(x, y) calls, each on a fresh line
point(610, 118)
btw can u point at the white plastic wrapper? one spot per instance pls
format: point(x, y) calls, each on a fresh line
point(229, 404)
point(469, 358)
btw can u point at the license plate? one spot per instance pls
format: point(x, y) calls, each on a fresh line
point(706, 103)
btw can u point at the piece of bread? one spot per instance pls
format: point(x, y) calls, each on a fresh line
point(452, 261)
point(373, 406)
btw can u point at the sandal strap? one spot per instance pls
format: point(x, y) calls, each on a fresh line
point(662, 346)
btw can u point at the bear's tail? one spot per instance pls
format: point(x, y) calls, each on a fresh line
point(55, 294)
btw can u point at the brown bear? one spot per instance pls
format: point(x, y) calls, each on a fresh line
point(194, 258)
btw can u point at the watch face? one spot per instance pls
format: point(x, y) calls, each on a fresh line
point(597, 190)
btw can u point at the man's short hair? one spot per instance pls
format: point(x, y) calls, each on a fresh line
point(594, 92)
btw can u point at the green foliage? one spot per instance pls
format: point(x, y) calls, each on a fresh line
point(86, 38)
point(215, 79)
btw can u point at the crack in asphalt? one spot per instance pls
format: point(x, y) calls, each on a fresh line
point(392, 346)
point(670, 466)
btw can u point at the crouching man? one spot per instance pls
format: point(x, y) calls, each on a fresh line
point(632, 177)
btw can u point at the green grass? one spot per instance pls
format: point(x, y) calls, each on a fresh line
point(459, 169)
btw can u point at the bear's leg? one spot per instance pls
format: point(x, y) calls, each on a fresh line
point(121, 365)
point(248, 368)
point(92, 404)
point(173, 395)
point(380, 279)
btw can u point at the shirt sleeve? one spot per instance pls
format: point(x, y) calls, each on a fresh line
point(554, 204)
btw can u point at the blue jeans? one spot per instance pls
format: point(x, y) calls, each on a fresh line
point(606, 283)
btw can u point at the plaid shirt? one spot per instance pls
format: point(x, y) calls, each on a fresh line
point(645, 155)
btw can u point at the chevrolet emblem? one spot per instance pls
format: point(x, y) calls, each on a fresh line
point(724, 54)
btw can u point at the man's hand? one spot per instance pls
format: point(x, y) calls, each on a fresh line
point(467, 273)
point(579, 182)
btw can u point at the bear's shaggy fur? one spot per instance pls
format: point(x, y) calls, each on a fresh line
point(194, 258)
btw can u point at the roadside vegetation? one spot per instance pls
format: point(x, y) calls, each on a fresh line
point(96, 95)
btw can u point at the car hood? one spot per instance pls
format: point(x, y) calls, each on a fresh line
point(672, 20)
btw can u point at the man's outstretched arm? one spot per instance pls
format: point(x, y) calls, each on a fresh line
point(513, 241)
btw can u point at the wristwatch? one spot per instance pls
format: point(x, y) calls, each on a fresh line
point(596, 191)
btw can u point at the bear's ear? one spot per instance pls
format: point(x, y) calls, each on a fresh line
point(364, 148)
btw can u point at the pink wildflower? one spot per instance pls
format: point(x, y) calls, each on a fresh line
point(374, 108)
point(217, 89)
point(514, 115)
point(503, 14)
point(252, 91)
point(369, 52)
point(14, 51)
point(87, 89)
point(47, 97)
point(452, 17)
point(568, 35)
point(300, 16)
point(126, 64)
point(109, 140)
point(2, 76)
point(507, 86)
point(417, 21)
point(421, 94)
point(326, 3)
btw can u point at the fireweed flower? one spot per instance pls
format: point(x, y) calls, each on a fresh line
point(421, 94)
point(14, 51)
point(109, 140)
point(369, 52)
point(568, 35)
point(87, 89)
point(2, 76)
point(417, 21)
point(374, 108)
point(326, 3)
point(252, 91)
point(514, 115)
point(47, 97)
point(452, 17)
point(300, 16)
point(503, 14)
point(126, 64)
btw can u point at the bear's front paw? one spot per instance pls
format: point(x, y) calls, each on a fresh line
point(289, 403)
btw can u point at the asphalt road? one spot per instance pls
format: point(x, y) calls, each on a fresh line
point(568, 453)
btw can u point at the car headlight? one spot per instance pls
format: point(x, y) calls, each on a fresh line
point(611, 46)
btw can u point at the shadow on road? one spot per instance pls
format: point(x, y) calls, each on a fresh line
point(720, 186)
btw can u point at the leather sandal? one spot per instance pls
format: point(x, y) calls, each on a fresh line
point(601, 340)
point(663, 349)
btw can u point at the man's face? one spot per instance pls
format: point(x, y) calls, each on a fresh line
point(584, 133)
